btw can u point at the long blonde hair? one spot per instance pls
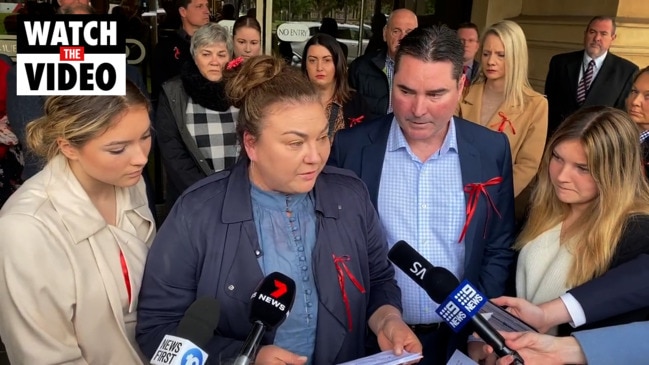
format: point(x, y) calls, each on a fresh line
point(611, 143)
point(516, 61)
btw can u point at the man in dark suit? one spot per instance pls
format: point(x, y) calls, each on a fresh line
point(371, 74)
point(441, 183)
point(593, 76)
point(470, 38)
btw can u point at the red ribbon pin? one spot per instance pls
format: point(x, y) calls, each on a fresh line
point(504, 121)
point(342, 269)
point(474, 190)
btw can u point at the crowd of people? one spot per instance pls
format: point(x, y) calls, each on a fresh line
point(435, 138)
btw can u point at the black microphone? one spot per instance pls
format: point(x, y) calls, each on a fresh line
point(439, 284)
point(194, 331)
point(270, 305)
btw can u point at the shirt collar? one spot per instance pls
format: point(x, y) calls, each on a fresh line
point(396, 139)
point(598, 61)
point(388, 60)
point(336, 100)
point(74, 206)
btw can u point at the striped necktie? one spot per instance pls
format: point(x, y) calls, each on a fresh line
point(585, 82)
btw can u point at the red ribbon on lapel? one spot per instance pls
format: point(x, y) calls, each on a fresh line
point(342, 269)
point(127, 281)
point(503, 123)
point(474, 190)
point(353, 121)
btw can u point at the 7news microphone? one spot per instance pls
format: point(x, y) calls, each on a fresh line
point(459, 303)
point(270, 305)
point(195, 329)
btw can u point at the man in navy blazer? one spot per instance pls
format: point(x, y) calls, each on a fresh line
point(621, 290)
point(624, 344)
point(611, 81)
point(442, 183)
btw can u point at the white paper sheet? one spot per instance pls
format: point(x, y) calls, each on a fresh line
point(459, 358)
point(384, 358)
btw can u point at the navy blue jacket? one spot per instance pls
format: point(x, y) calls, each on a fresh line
point(208, 246)
point(484, 154)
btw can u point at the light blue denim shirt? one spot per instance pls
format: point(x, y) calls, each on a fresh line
point(286, 227)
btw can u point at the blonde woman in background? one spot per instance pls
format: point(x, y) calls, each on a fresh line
point(75, 236)
point(502, 99)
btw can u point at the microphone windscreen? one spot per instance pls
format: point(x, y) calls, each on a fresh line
point(438, 282)
point(200, 321)
point(272, 300)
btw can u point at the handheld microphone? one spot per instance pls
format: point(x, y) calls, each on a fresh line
point(270, 305)
point(459, 303)
point(195, 329)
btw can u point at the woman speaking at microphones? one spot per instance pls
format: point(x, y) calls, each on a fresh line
point(279, 209)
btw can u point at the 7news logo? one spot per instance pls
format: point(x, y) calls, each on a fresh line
point(273, 298)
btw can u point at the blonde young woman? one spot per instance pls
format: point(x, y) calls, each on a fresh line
point(75, 236)
point(589, 210)
point(503, 100)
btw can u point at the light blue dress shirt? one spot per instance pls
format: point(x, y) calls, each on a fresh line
point(422, 203)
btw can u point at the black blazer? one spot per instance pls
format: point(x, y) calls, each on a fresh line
point(645, 156)
point(621, 290)
point(622, 294)
point(610, 87)
point(355, 110)
point(366, 76)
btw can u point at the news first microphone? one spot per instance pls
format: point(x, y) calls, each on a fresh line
point(459, 303)
point(270, 305)
point(195, 329)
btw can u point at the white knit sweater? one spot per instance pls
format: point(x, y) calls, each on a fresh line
point(543, 267)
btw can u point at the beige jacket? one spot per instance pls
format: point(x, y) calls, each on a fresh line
point(529, 122)
point(63, 295)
